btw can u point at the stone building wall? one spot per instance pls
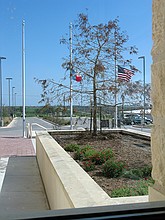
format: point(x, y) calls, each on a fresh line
point(157, 192)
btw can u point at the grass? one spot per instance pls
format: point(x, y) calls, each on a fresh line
point(140, 189)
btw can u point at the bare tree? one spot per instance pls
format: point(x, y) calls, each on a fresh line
point(96, 51)
point(133, 92)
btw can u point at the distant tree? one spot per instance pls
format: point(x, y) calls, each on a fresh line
point(133, 92)
point(45, 110)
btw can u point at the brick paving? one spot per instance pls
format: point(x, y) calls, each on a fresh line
point(16, 146)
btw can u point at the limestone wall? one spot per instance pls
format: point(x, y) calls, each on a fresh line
point(157, 192)
point(67, 185)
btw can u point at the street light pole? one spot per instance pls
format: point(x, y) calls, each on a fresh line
point(13, 100)
point(144, 95)
point(23, 76)
point(9, 78)
point(13, 95)
point(1, 109)
point(15, 104)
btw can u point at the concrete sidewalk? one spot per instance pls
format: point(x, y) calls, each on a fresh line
point(22, 189)
point(13, 146)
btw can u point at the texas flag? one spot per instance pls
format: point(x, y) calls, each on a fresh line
point(75, 76)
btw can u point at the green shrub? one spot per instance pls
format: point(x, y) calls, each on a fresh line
point(99, 157)
point(72, 147)
point(87, 147)
point(138, 173)
point(79, 154)
point(140, 189)
point(129, 174)
point(88, 165)
point(106, 154)
point(94, 156)
point(89, 153)
point(147, 171)
point(113, 168)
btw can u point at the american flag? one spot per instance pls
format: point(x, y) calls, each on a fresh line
point(124, 74)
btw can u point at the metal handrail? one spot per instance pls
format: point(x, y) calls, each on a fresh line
point(30, 129)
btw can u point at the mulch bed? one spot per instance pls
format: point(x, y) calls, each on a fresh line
point(135, 152)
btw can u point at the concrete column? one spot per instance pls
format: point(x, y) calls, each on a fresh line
point(157, 192)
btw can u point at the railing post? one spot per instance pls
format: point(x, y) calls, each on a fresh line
point(31, 130)
point(28, 130)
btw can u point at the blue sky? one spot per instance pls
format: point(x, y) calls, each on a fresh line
point(46, 21)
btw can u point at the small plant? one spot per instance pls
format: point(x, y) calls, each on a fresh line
point(141, 188)
point(79, 154)
point(90, 153)
point(97, 158)
point(72, 147)
point(88, 165)
point(106, 154)
point(130, 175)
point(138, 173)
point(124, 192)
point(147, 171)
point(87, 147)
point(113, 168)
point(100, 157)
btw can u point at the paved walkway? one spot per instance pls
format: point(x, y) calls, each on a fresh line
point(13, 146)
point(16, 146)
point(22, 190)
point(21, 187)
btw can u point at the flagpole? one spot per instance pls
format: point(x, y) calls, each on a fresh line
point(115, 116)
point(115, 125)
point(71, 68)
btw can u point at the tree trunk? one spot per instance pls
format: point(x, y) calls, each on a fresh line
point(91, 116)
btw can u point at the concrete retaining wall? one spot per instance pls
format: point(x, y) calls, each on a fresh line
point(67, 185)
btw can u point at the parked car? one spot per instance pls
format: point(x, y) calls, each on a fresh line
point(130, 119)
point(127, 120)
point(139, 119)
point(148, 120)
point(136, 119)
